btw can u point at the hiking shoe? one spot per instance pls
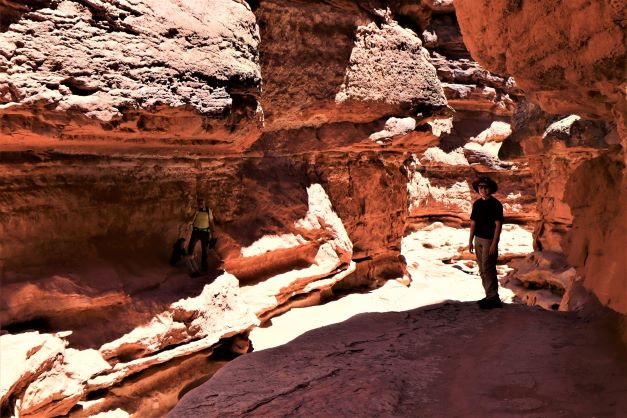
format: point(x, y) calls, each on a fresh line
point(479, 302)
point(491, 303)
point(195, 274)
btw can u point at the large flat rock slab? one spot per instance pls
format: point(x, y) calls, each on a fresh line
point(444, 360)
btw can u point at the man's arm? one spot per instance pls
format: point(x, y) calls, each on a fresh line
point(471, 246)
point(497, 235)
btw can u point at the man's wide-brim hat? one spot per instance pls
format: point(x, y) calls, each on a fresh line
point(486, 181)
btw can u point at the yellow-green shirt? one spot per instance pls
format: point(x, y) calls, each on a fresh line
point(203, 219)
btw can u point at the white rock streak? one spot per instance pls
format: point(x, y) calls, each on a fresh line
point(421, 193)
point(330, 255)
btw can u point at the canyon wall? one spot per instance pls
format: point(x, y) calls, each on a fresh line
point(320, 133)
point(116, 116)
point(569, 58)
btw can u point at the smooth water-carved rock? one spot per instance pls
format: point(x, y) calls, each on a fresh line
point(596, 245)
point(215, 313)
point(54, 378)
point(404, 363)
point(24, 358)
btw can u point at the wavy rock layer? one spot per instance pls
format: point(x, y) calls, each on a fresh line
point(115, 117)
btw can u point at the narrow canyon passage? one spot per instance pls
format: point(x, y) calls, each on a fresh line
point(440, 269)
point(331, 153)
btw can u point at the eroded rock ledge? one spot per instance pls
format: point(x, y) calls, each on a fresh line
point(129, 72)
point(575, 71)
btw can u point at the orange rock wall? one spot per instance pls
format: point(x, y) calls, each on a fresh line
point(568, 55)
point(569, 58)
point(115, 117)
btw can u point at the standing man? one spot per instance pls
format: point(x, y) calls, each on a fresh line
point(486, 221)
point(202, 229)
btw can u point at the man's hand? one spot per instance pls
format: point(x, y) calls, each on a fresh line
point(493, 247)
point(471, 247)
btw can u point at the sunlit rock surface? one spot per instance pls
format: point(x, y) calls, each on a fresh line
point(569, 57)
point(434, 343)
point(140, 72)
point(440, 268)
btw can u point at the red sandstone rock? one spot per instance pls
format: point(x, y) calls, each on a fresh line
point(575, 66)
point(324, 63)
point(41, 377)
point(568, 57)
point(24, 358)
point(143, 73)
point(335, 75)
point(54, 296)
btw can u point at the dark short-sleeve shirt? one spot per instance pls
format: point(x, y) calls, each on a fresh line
point(485, 213)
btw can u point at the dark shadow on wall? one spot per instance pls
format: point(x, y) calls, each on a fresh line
point(467, 124)
point(12, 11)
point(267, 197)
point(596, 193)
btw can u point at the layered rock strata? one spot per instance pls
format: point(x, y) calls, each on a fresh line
point(116, 116)
point(469, 141)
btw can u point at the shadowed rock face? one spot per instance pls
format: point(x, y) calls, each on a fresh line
point(325, 62)
point(116, 116)
point(424, 363)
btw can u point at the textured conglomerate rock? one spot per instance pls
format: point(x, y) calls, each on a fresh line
point(139, 72)
point(340, 61)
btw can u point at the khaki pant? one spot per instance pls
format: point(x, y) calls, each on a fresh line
point(487, 267)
